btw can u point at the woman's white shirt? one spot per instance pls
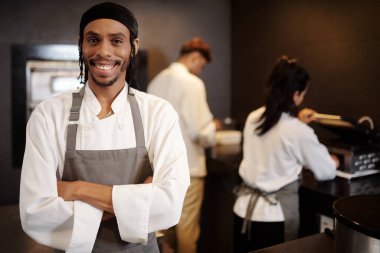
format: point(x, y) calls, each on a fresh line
point(275, 159)
point(139, 208)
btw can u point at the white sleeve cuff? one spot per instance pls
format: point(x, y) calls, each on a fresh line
point(86, 225)
point(207, 136)
point(131, 204)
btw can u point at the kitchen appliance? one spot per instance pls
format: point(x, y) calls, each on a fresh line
point(46, 79)
point(356, 158)
point(357, 224)
point(355, 143)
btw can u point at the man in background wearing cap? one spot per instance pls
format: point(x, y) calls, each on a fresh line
point(86, 183)
point(180, 85)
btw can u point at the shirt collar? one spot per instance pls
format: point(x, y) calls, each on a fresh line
point(179, 66)
point(93, 104)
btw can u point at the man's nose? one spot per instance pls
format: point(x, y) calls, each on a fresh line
point(104, 49)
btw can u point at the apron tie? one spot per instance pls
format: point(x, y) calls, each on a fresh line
point(255, 193)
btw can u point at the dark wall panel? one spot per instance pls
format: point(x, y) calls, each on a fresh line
point(338, 42)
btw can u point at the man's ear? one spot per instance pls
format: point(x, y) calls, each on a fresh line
point(136, 44)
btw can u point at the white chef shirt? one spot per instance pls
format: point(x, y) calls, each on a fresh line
point(276, 158)
point(187, 93)
point(139, 208)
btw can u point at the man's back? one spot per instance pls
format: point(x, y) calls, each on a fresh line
point(187, 94)
point(173, 83)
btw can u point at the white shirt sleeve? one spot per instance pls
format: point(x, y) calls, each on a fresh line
point(47, 218)
point(144, 208)
point(315, 155)
point(197, 115)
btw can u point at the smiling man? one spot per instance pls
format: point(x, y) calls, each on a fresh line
point(105, 166)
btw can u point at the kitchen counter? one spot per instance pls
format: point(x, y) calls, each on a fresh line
point(217, 216)
point(311, 244)
point(316, 198)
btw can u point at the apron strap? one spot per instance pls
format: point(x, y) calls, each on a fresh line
point(75, 113)
point(137, 121)
point(255, 193)
point(73, 119)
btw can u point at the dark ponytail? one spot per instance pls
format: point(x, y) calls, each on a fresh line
point(286, 78)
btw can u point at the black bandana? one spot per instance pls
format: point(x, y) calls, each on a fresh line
point(110, 11)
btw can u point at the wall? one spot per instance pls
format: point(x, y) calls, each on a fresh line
point(338, 42)
point(163, 26)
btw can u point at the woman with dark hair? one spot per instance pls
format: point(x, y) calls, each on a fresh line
point(277, 145)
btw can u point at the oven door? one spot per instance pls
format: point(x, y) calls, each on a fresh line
point(50, 78)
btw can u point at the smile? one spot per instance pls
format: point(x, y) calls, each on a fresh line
point(105, 67)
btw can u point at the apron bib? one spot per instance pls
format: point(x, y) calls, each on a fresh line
point(109, 167)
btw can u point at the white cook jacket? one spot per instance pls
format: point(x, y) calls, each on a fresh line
point(276, 158)
point(139, 208)
point(187, 93)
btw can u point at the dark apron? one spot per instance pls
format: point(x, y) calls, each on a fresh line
point(109, 167)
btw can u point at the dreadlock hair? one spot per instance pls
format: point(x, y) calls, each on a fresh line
point(121, 14)
point(286, 78)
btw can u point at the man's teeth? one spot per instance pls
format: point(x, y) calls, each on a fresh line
point(104, 67)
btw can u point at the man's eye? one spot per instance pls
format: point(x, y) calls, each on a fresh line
point(117, 41)
point(92, 40)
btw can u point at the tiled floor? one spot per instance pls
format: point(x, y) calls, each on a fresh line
point(12, 237)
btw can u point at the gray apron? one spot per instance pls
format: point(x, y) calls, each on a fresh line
point(287, 196)
point(109, 167)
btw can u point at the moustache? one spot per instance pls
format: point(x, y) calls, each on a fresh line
point(92, 61)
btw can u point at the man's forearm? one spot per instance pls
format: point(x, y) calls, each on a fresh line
point(97, 195)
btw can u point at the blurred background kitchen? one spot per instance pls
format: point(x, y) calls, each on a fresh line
point(337, 41)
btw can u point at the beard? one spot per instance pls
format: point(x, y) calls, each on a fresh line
point(103, 84)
